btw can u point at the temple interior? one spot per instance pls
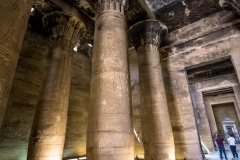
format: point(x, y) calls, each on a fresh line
point(118, 79)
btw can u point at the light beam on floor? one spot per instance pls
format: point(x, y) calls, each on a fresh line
point(205, 147)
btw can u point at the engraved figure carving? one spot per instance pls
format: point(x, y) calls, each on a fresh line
point(21, 7)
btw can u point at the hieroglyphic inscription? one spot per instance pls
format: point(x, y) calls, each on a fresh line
point(119, 152)
point(3, 63)
point(111, 109)
point(2, 16)
point(118, 86)
point(109, 128)
point(110, 140)
point(114, 125)
point(117, 22)
point(96, 85)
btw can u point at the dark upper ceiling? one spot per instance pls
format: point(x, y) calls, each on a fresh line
point(173, 13)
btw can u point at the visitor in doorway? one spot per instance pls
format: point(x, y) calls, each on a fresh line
point(232, 143)
point(220, 144)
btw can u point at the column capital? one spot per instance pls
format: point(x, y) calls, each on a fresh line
point(233, 5)
point(112, 5)
point(147, 32)
point(63, 27)
point(123, 2)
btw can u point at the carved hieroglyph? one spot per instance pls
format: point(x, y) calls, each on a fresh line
point(14, 15)
point(49, 125)
point(157, 133)
point(110, 134)
point(233, 5)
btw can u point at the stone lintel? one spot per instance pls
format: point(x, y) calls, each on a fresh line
point(233, 5)
point(66, 27)
point(147, 32)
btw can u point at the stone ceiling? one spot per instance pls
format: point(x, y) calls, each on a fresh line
point(173, 13)
point(170, 11)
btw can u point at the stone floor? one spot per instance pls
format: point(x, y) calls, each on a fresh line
point(214, 155)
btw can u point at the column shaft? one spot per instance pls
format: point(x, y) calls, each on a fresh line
point(109, 125)
point(157, 132)
point(13, 23)
point(50, 120)
point(49, 126)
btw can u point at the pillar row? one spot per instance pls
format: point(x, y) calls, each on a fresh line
point(110, 133)
point(49, 126)
point(157, 133)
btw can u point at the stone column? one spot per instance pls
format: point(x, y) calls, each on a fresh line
point(109, 134)
point(157, 133)
point(49, 125)
point(14, 16)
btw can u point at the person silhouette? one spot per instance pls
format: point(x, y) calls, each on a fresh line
point(232, 143)
point(220, 144)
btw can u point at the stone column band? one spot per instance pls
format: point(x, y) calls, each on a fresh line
point(109, 135)
point(157, 133)
point(14, 16)
point(49, 126)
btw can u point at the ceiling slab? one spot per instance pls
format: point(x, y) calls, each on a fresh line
point(182, 13)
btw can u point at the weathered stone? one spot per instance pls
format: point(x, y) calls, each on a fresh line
point(157, 137)
point(13, 23)
point(110, 132)
point(231, 5)
point(177, 59)
point(214, 38)
point(202, 107)
point(49, 125)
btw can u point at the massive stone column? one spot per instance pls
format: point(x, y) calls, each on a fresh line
point(49, 126)
point(14, 16)
point(157, 133)
point(109, 134)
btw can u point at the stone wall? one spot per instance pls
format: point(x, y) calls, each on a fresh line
point(134, 75)
point(212, 101)
point(209, 39)
point(201, 110)
point(222, 111)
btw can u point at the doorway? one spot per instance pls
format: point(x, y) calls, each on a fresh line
point(223, 111)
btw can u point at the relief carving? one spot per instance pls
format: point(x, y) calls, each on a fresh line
point(147, 32)
point(61, 24)
point(3, 63)
point(233, 5)
point(16, 13)
point(116, 125)
point(123, 2)
point(2, 16)
point(109, 108)
point(109, 140)
point(118, 23)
